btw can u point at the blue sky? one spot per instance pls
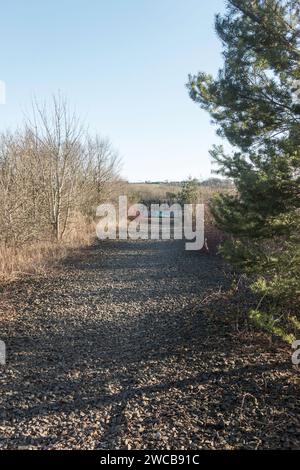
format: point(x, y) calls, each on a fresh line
point(123, 65)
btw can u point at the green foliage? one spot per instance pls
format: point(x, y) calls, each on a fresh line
point(255, 102)
point(267, 322)
point(189, 193)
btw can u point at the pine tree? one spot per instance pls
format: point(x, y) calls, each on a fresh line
point(255, 103)
point(189, 192)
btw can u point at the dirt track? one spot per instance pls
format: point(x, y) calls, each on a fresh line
point(115, 350)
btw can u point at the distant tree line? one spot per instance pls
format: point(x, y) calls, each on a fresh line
point(209, 182)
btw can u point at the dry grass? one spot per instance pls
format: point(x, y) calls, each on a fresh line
point(138, 192)
point(38, 257)
point(147, 191)
point(213, 236)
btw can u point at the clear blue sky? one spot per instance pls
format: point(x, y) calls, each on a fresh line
point(123, 65)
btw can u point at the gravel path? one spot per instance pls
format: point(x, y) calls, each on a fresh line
point(115, 350)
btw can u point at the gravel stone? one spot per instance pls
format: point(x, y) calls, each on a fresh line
point(117, 350)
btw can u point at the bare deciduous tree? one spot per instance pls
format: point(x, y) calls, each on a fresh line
point(51, 173)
